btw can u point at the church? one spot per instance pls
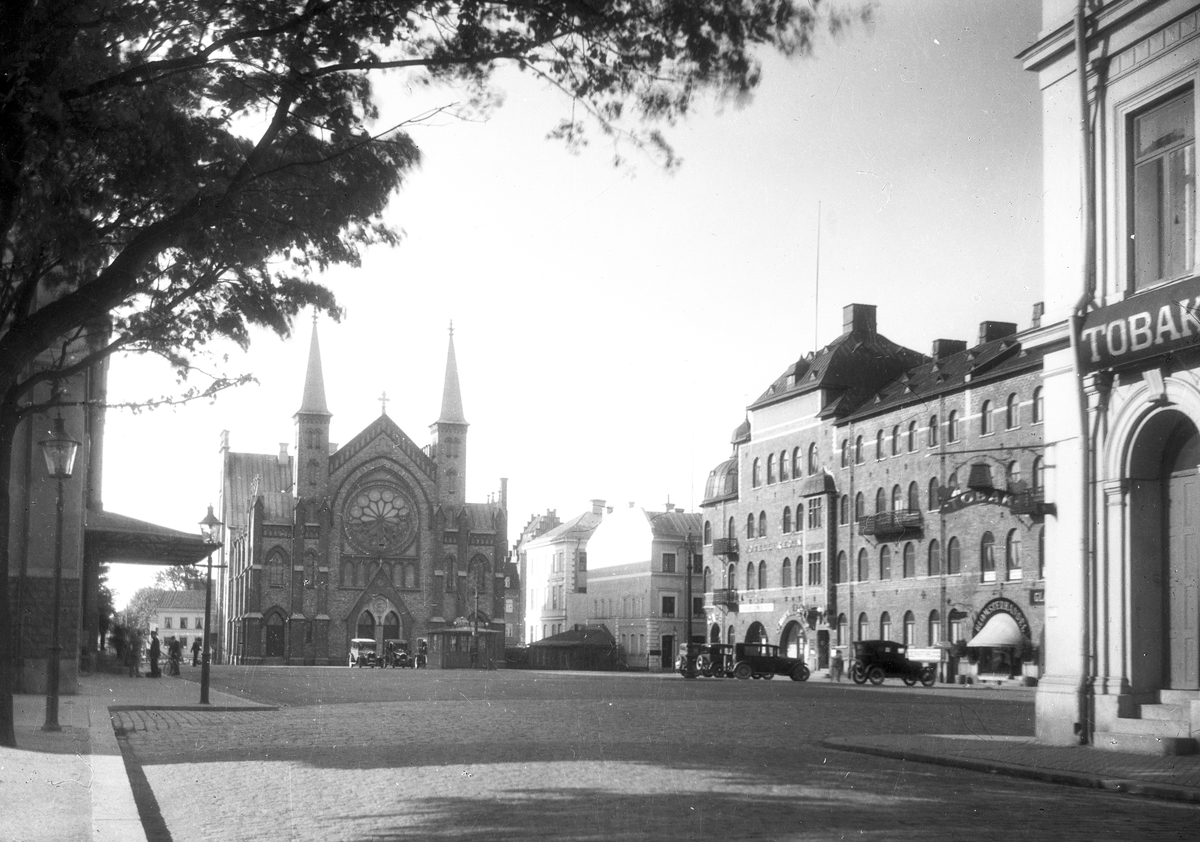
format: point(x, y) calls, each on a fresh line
point(372, 539)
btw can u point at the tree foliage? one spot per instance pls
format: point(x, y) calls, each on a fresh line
point(180, 577)
point(139, 612)
point(174, 171)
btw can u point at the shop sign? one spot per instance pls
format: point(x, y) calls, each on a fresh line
point(1001, 605)
point(756, 608)
point(1149, 324)
point(975, 497)
point(1037, 596)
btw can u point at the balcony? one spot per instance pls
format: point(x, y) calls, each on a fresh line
point(1032, 503)
point(891, 524)
point(725, 547)
point(723, 598)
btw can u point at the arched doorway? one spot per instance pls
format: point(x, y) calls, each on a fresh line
point(757, 633)
point(365, 626)
point(714, 635)
point(791, 642)
point(1164, 530)
point(273, 645)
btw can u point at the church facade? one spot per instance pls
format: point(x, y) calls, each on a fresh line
point(373, 539)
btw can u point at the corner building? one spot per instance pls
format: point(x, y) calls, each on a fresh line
point(374, 539)
point(874, 492)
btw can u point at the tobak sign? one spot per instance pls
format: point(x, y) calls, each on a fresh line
point(1160, 321)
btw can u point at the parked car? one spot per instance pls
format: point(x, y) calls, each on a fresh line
point(395, 654)
point(763, 660)
point(715, 660)
point(362, 652)
point(875, 660)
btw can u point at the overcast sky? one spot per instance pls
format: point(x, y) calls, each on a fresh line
point(612, 324)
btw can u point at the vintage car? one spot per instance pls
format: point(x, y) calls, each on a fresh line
point(763, 660)
point(395, 654)
point(715, 659)
point(875, 660)
point(362, 652)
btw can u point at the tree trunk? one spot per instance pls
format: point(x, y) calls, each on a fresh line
point(8, 427)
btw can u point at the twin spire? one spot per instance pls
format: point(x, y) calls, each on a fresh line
point(314, 385)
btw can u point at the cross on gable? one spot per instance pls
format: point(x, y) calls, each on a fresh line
point(383, 402)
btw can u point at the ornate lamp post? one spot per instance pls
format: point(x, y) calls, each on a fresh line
point(210, 530)
point(60, 451)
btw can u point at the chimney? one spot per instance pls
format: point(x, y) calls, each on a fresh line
point(283, 456)
point(858, 318)
point(224, 440)
point(668, 506)
point(632, 504)
point(943, 348)
point(1039, 309)
point(991, 331)
point(598, 507)
point(333, 448)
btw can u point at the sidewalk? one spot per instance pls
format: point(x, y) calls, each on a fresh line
point(1172, 778)
point(72, 784)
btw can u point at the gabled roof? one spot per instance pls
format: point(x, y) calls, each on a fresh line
point(674, 524)
point(384, 426)
point(248, 474)
point(852, 367)
point(586, 637)
point(578, 528)
point(190, 600)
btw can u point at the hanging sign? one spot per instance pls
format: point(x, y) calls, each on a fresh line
point(1160, 321)
point(976, 497)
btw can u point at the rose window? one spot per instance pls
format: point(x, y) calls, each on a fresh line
point(379, 520)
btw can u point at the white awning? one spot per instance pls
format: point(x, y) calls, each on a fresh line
point(1000, 630)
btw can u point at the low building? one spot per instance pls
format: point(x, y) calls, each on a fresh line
point(179, 615)
point(556, 568)
point(577, 648)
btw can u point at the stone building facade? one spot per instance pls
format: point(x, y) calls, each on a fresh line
point(874, 492)
point(372, 539)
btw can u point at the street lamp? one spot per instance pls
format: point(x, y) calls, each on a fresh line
point(690, 655)
point(210, 530)
point(60, 451)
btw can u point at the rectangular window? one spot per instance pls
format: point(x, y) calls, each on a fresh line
point(668, 562)
point(815, 519)
point(166, 622)
point(183, 622)
point(199, 623)
point(697, 606)
point(815, 569)
point(1164, 191)
point(668, 606)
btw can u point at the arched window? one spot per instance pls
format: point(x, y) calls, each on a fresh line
point(987, 557)
point(952, 482)
point(1038, 407)
point(755, 479)
point(762, 575)
point(935, 497)
point(880, 501)
point(749, 526)
point(860, 507)
point(1012, 476)
point(391, 626)
point(878, 445)
point(799, 517)
point(762, 524)
point(845, 454)
point(1036, 478)
point(812, 457)
point(787, 519)
point(785, 577)
point(952, 426)
point(863, 565)
point(912, 436)
point(910, 560)
point(731, 577)
point(885, 562)
point(797, 465)
point(914, 496)
point(843, 630)
point(858, 451)
point(751, 575)
point(730, 532)
point(864, 627)
point(933, 430)
point(1012, 412)
point(896, 440)
point(707, 580)
point(366, 625)
point(985, 418)
point(910, 628)
point(784, 473)
point(953, 557)
point(844, 509)
point(771, 469)
point(1012, 555)
point(707, 533)
point(885, 626)
point(935, 628)
point(935, 558)
point(276, 569)
point(897, 498)
point(842, 562)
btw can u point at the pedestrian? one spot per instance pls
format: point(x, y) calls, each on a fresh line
point(196, 652)
point(835, 665)
point(175, 652)
point(155, 652)
point(133, 653)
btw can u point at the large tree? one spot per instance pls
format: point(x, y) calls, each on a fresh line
point(174, 171)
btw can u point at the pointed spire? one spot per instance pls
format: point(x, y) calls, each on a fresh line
point(314, 379)
point(452, 410)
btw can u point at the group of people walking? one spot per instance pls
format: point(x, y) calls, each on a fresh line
point(127, 644)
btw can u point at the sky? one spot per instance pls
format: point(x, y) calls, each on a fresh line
point(611, 324)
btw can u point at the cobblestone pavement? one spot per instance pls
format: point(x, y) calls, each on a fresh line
point(515, 756)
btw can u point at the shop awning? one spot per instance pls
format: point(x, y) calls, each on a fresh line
point(1000, 630)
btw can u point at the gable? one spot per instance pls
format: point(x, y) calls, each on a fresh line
point(383, 436)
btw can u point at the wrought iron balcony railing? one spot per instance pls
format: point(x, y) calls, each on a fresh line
point(889, 524)
point(1032, 503)
point(722, 598)
point(725, 546)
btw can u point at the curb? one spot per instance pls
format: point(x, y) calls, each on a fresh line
point(1126, 786)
